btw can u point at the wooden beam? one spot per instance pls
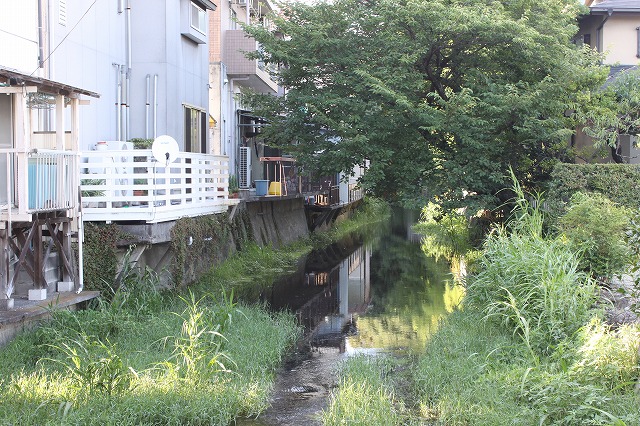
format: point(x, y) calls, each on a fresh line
point(18, 89)
point(4, 264)
point(60, 123)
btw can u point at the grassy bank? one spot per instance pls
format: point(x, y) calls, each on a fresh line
point(527, 347)
point(188, 357)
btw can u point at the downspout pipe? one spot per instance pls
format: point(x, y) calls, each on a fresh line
point(155, 106)
point(40, 36)
point(128, 70)
point(146, 107)
point(118, 100)
point(599, 30)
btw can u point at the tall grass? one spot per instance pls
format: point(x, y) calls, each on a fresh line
point(364, 396)
point(531, 284)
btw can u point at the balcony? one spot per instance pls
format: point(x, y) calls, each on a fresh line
point(131, 185)
point(44, 179)
point(253, 73)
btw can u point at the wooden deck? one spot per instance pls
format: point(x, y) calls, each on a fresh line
point(27, 314)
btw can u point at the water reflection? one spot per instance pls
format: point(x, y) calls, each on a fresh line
point(370, 293)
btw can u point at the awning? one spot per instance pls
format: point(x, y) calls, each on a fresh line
point(11, 77)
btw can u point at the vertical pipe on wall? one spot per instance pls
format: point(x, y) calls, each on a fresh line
point(128, 70)
point(118, 92)
point(40, 36)
point(155, 106)
point(123, 102)
point(146, 107)
point(120, 7)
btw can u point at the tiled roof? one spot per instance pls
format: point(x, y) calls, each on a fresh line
point(616, 71)
point(616, 6)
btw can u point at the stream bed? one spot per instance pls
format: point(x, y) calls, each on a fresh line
point(366, 294)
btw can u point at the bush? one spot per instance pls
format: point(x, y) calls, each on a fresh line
point(596, 228)
point(618, 182)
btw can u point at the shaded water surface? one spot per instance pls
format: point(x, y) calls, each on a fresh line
point(368, 293)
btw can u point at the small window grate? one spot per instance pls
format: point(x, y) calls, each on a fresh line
point(62, 12)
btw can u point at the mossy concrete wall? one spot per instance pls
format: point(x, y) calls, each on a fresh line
point(180, 251)
point(277, 222)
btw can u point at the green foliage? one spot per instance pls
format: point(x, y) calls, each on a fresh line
point(608, 357)
point(197, 353)
point(100, 256)
point(141, 143)
point(439, 98)
point(94, 366)
point(233, 184)
point(444, 234)
point(596, 228)
point(202, 241)
point(618, 182)
point(614, 110)
point(531, 284)
point(363, 396)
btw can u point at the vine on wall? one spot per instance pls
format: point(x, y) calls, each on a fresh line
point(201, 242)
point(100, 256)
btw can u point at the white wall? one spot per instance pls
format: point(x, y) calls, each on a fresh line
point(87, 56)
point(19, 35)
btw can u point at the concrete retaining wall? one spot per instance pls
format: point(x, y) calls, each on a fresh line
point(277, 222)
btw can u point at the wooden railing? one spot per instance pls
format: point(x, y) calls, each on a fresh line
point(131, 185)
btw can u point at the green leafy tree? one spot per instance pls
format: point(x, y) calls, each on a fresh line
point(613, 111)
point(439, 97)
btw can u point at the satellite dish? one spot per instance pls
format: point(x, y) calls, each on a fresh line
point(165, 149)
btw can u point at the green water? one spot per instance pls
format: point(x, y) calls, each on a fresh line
point(410, 292)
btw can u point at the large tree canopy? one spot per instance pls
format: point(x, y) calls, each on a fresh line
point(440, 96)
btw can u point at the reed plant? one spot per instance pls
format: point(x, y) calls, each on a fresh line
point(531, 284)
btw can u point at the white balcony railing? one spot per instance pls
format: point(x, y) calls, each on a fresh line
point(49, 181)
point(131, 185)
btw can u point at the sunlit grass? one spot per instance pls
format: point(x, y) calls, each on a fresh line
point(363, 397)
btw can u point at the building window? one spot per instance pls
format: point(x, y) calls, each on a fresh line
point(586, 39)
point(195, 130)
point(198, 18)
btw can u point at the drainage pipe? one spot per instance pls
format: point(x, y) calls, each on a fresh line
point(128, 71)
point(118, 101)
point(155, 106)
point(123, 103)
point(146, 107)
point(40, 37)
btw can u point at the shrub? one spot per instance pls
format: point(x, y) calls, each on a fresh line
point(596, 228)
point(608, 357)
point(618, 182)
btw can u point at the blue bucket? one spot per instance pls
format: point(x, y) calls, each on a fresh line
point(262, 187)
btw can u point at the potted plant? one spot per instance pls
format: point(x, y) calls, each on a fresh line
point(141, 143)
point(140, 192)
point(233, 186)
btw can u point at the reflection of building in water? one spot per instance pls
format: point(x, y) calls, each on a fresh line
point(347, 293)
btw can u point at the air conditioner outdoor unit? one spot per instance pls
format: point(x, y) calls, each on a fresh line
point(244, 168)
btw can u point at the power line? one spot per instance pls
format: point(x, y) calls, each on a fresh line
point(67, 35)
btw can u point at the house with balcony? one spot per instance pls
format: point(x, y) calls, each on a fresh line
point(137, 71)
point(612, 27)
point(234, 130)
point(261, 171)
point(39, 147)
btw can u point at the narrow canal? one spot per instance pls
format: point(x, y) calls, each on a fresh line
point(370, 293)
